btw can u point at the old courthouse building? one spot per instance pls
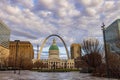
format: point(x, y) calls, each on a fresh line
point(54, 60)
point(22, 50)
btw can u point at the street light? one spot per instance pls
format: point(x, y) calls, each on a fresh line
point(16, 55)
point(105, 48)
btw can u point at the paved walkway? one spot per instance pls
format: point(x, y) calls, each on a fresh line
point(29, 75)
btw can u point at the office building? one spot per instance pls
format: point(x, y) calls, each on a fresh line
point(112, 35)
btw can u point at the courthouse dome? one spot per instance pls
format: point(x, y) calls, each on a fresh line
point(54, 46)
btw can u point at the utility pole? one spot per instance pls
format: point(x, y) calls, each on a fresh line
point(105, 48)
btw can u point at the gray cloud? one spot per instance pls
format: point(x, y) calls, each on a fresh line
point(74, 20)
point(23, 33)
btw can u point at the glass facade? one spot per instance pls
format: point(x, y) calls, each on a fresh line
point(4, 35)
point(112, 31)
point(112, 35)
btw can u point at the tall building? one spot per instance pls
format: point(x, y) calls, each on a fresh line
point(4, 43)
point(4, 35)
point(22, 50)
point(75, 50)
point(112, 34)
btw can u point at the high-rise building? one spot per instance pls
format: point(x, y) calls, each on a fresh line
point(75, 50)
point(4, 43)
point(22, 50)
point(112, 35)
point(4, 35)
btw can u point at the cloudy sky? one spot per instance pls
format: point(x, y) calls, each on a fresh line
point(73, 20)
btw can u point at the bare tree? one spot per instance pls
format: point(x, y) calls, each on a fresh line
point(11, 61)
point(80, 63)
point(91, 46)
point(38, 64)
point(21, 59)
point(28, 64)
point(92, 55)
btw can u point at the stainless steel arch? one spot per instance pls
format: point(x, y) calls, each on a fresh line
point(39, 54)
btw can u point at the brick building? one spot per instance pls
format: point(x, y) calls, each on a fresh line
point(22, 50)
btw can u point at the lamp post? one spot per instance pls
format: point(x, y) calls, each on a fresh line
point(16, 55)
point(105, 48)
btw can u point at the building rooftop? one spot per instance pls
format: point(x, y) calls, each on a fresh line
point(113, 23)
point(20, 41)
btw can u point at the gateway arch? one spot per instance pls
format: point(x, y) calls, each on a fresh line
point(44, 42)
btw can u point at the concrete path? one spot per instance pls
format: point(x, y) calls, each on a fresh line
point(29, 75)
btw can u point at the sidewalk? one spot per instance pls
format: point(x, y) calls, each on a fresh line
point(29, 75)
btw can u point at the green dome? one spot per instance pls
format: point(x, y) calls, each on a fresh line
point(53, 47)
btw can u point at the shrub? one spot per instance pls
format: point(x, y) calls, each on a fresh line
point(113, 67)
point(100, 71)
point(93, 60)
